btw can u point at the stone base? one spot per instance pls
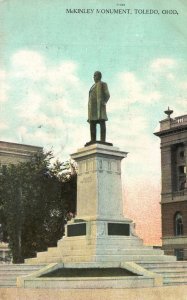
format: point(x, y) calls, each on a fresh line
point(97, 275)
point(128, 275)
point(99, 241)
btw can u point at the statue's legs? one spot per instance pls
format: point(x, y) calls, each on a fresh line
point(103, 131)
point(93, 130)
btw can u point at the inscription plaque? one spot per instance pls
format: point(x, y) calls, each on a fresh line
point(76, 229)
point(118, 229)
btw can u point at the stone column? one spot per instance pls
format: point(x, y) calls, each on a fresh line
point(99, 190)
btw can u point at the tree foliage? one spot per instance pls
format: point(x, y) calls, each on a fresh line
point(35, 199)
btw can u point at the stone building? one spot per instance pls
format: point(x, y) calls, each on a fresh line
point(12, 153)
point(173, 135)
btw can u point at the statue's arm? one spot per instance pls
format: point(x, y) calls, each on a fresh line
point(106, 92)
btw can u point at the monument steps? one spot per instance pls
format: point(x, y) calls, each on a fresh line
point(9, 273)
point(99, 258)
point(125, 251)
point(172, 280)
point(77, 247)
point(175, 274)
point(172, 272)
point(175, 283)
point(8, 282)
point(71, 242)
point(112, 251)
point(181, 264)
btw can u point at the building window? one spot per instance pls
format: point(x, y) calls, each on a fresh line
point(181, 177)
point(182, 169)
point(182, 184)
point(178, 223)
point(179, 171)
point(179, 253)
point(181, 154)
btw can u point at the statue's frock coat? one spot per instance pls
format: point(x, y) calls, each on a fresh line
point(98, 97)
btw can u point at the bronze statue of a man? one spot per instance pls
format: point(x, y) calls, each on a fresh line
point(98, 97)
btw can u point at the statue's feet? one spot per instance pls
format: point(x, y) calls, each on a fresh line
point(98, 142)
point(90, 143)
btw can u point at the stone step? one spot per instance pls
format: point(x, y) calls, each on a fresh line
point(31, 261)
point(8, 283)
point(69, 247)
point(10, 272)
point(169, 275)
point(104, 251)
point(16, 267)
point(11, 275)
point(70, 242)
point(163, 264)
point(176, 279)
point(175, 283)
point(174, 273)
point(169, 271)
point(18, 271)
point(46, 260)
point(101, 258)
point(14, 274)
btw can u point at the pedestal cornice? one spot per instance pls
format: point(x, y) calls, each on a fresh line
point(99, 149)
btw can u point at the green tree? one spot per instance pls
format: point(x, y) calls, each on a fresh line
point(35, 198)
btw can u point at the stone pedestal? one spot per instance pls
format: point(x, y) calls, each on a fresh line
point(99, 202)
point(99, 190)
point(99, 193)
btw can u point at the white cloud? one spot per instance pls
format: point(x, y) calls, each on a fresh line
point(180, 107)
point(183, 85)
point(28, 64)
point(131, 90)
point(61, 88)
point(68, 91)
point(163, 64)
point(37, 136)
point(170, 76)
point(44, 107)
point(130, 127)
point(152, 96)
point(64, 74)
point(3, 75)
point(131, 85)
point(30, 109)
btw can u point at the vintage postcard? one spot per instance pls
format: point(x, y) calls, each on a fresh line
point(49, 53)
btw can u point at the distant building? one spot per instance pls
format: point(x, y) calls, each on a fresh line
point(12, 153)
point(173, 135)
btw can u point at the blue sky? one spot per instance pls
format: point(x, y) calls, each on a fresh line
point(48, 58)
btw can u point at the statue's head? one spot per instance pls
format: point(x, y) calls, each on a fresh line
point(97, 76)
